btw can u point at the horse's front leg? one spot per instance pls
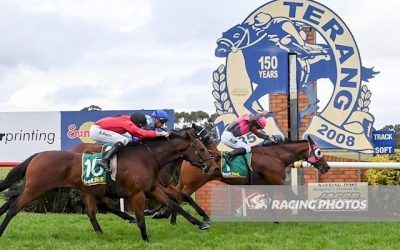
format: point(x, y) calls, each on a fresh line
point(160, 196)
point(154, 211)
point(186, 198)
point(110, 208)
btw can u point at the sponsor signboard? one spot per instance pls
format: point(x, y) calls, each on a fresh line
point(25, 133)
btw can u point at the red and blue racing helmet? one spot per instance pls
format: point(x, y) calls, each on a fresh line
point(160, 115)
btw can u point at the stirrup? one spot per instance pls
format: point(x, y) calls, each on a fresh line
point(228, 158)
point(105, 165)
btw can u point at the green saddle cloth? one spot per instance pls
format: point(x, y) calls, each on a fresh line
point(92, 173)
point(238, 166)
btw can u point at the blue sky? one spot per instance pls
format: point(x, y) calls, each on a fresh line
point(125, 54)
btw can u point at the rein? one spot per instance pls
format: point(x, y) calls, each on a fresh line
point(202, 165)
point(152, 154)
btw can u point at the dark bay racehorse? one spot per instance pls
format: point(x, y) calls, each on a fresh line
point(165, 177)
point(137, 176)
point(268, 163)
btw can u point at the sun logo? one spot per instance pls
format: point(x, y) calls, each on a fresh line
point(82, 133)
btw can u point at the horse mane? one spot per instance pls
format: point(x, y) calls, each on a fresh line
point(182, 129)
point(149, 141)
point(285, 141)
point(174, 134)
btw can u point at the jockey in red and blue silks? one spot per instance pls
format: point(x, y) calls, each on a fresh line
point(121, 130)
point(159, 120)
point(240, 126)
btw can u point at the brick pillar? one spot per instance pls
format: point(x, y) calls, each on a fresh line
point(203, 195)
point(278, 105)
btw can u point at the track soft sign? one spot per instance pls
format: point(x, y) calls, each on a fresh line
point(257, 51)
point(384, 141)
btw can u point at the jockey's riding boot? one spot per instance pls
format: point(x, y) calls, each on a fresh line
point(104, 162)
point(230, 155)
point(267, 142)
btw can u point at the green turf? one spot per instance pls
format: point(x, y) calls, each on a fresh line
point(3, 172)
point(55, 231)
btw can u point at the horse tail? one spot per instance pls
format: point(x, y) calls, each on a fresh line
point(16, 174)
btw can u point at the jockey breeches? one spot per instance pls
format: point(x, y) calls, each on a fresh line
point(106, 136)
point(231, 141)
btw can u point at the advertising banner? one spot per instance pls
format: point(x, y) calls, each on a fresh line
point(25, 133)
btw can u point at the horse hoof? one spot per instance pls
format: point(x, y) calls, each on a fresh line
point(133, 221)
point(204, 226)
point(276, 222)
point(154, 216)
point(159, 215)
point(148, 213)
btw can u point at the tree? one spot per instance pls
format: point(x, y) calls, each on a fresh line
point(91, 108)
point(185, 119)
point(396, 129)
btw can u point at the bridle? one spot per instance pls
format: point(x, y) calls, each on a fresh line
point(206, 139)
point(314, 156)
point(202, 162)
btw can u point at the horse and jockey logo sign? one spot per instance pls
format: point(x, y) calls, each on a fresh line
point(257, 52)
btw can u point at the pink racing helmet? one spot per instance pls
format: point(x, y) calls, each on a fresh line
point(262, 122)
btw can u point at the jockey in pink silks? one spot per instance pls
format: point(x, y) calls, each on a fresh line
point(240, 126)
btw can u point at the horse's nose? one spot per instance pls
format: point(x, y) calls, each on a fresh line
point(325, 170)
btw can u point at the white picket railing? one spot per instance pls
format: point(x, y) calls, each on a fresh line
point(359, 165)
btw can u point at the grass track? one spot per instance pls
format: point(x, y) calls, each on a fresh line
point(61, 231)
point(56, 231)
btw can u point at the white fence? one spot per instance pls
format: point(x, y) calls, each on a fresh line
point(359, 165)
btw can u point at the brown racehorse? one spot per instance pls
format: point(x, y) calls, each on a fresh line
point(137, 176)
point(268, 163)
point(165, 177)
point(16, 190)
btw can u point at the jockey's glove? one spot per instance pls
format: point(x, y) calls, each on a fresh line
point(162, 133)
